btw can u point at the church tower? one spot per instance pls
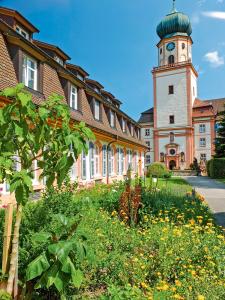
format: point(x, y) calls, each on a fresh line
point(175, 89)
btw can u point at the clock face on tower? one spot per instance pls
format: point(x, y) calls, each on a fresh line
point(170, 46)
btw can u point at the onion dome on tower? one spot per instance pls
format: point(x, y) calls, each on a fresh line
point(175, 23)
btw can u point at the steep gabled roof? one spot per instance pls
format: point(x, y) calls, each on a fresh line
point(147, 116)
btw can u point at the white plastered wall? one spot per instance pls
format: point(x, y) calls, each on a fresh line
point(175, 104)
point(207, 135)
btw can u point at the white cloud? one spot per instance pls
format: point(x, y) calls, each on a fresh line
point(214, 59)
point(214, 14)
point(220, 1)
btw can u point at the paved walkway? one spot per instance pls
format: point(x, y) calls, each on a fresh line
point(214, 193)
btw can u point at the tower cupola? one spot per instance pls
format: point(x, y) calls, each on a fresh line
point(175, 23)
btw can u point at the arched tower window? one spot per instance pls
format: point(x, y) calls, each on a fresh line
point(171, 59)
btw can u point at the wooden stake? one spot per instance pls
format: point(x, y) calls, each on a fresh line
point(7, 236)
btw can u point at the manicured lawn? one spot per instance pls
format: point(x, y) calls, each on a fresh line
point(175, 252)
point(175, 184)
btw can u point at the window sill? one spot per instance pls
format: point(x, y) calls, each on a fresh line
point(76, 110)
point(99, 121)
point(34, 92)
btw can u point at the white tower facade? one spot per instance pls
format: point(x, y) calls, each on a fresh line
point(175, 89)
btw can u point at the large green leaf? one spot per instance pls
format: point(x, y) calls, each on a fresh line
point(24, 98)
point(37, 267)
point(77, 278)
point(52, 274)
point(61, 250)
point(40, 237)
point(68, 266)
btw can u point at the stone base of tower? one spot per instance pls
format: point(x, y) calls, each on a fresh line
point(174, 147)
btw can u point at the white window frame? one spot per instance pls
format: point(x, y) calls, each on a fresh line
point(104, 160)
point(147, 132)
point(97, 169)
point(132, 130)
point(202, 142)
point(73, 97)
point(26, 71)
point(112, 118)
point(92, 160)
point(97, 110)
point(59, 60)
point(123, 125)
point(129, 159)
point(202, 128)
point(22, 32)
point(83, 165)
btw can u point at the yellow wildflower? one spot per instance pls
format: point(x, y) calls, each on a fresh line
point(178, 283)
point(200, 297)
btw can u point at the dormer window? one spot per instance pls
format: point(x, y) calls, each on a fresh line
point(22, 32)
point(123, 125)
point(132, 130)
point(96, 89)
point(112, 118)
point(73, 97)
point(59, 60)
point(29, 76)
point(80, 77)
point(97, 110)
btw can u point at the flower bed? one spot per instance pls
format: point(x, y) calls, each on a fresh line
point(175, 252)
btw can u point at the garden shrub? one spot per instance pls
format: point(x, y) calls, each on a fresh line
point(158, 170)
point(216, 168)
point(208, 166)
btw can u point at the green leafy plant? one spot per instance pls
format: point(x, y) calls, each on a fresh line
point(4, 295)
point(55, 266)
point(27, 134)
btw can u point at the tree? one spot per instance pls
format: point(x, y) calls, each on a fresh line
point(29, 134)
point(220, 140)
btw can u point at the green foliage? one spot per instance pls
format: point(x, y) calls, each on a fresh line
point(158, 170)
point(55, 266)
point(216, 168)
point(4, 295)
point(176, 237)
point(45, 134)
point(220, 139)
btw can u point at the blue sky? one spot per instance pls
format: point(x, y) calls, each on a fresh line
point(114, 41)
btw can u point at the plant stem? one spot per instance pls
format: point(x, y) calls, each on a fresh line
point(7, 237)
point(14, 253)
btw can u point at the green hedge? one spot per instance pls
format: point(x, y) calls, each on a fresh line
point(216, 168)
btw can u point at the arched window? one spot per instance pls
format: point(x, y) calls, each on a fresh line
point(92, 160)
point(183, 46)
point(83, 165)
point(104, 160)
point(129, 159)
point(96, 159)
point(111, 161)
point(171, 59)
